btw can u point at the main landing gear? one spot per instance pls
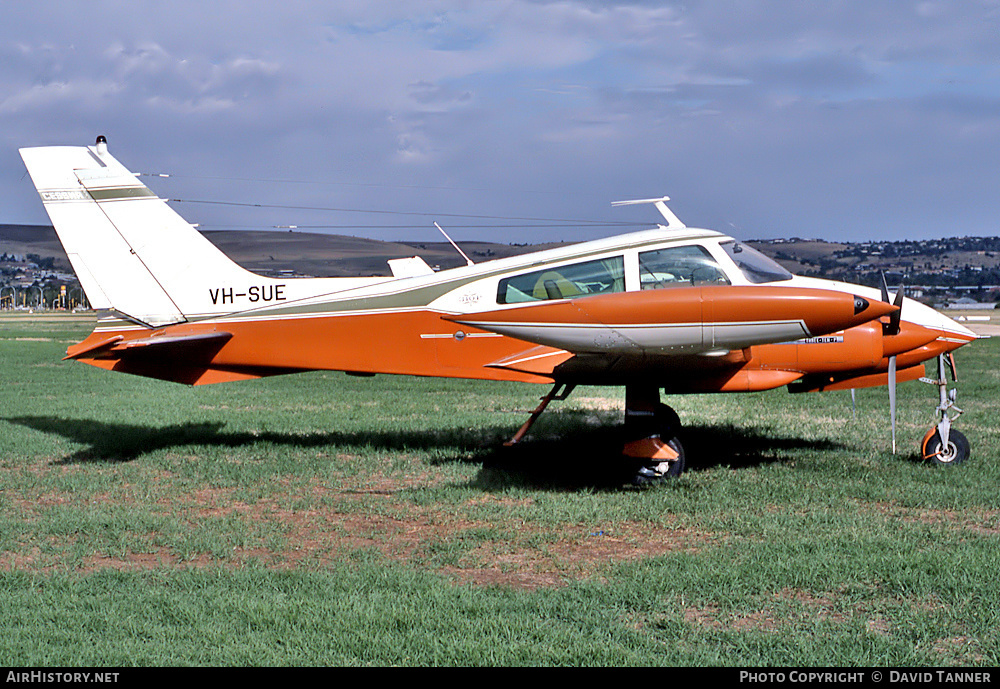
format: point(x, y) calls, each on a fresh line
point(942, 444)
point(651, 429)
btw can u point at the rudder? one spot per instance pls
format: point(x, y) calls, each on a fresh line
point(132, 253)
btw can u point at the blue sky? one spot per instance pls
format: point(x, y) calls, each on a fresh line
point(841, 120)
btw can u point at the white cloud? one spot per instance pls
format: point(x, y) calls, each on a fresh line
point(82, 95)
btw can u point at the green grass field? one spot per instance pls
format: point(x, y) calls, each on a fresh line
point(330, 520)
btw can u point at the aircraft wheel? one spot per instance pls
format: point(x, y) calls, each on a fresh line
point(667, 421)
point(657, 472)
point(956, 452)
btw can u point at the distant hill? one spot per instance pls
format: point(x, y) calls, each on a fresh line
point(969, 262)
point(950, 262)
point(33, 239)
point(328, 255)
point(305, 253)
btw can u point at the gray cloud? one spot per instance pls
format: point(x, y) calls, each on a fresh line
point(775, 118)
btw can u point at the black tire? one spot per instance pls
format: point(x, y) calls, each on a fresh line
point(649, 474)
point(957, 451)
point(677, 467)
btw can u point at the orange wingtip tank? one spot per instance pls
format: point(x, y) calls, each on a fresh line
point(679, 319)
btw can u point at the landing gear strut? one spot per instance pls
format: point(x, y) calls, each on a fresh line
point(942, 444)
point(559, 391)
point(651, 429)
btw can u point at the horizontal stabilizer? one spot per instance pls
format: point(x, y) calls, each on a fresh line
point(185, 374)
point(86, 348)
point(162, 346)
point(177, 343)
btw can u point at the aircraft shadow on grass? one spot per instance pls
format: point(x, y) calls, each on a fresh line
point(589, 457)
point(573, 454)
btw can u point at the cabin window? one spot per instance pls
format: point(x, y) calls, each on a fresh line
point(755, 266)
point(679, 266)
point(565, 282)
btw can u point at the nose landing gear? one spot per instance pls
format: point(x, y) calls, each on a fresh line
point(942, 444)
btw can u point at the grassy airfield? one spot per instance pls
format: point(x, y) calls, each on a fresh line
point(325, 519)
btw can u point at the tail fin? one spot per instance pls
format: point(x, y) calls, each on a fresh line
point(131, 252)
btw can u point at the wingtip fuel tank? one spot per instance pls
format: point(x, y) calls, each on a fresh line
point(689, 319)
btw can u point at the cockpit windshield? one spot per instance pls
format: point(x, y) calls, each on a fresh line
point(679, 266)
point(755, 266)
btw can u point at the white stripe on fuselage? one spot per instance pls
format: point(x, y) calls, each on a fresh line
point(649, 337)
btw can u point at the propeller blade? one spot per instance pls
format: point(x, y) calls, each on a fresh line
point(892, 400)
point(892, 327)
point(894, 317)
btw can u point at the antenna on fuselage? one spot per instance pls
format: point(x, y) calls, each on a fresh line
point(468, 260)
point(673, 222)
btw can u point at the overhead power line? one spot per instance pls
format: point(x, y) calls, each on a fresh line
point(593, 223)
point(384, 185)
point(356, 226)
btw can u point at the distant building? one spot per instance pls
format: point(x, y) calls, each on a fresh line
point(969, 303)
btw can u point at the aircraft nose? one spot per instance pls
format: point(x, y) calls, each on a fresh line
point(956, 329)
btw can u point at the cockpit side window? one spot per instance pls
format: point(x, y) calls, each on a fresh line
point(564, 282)
point(755, 266)
point(679, 266)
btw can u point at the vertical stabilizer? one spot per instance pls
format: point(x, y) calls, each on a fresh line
point(131, 252)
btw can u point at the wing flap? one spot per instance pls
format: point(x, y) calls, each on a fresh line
point(539, 360)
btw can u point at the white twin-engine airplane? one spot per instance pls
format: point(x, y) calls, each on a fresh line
point(672, 308)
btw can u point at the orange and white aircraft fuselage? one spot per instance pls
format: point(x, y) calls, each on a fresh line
point(672, 308)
